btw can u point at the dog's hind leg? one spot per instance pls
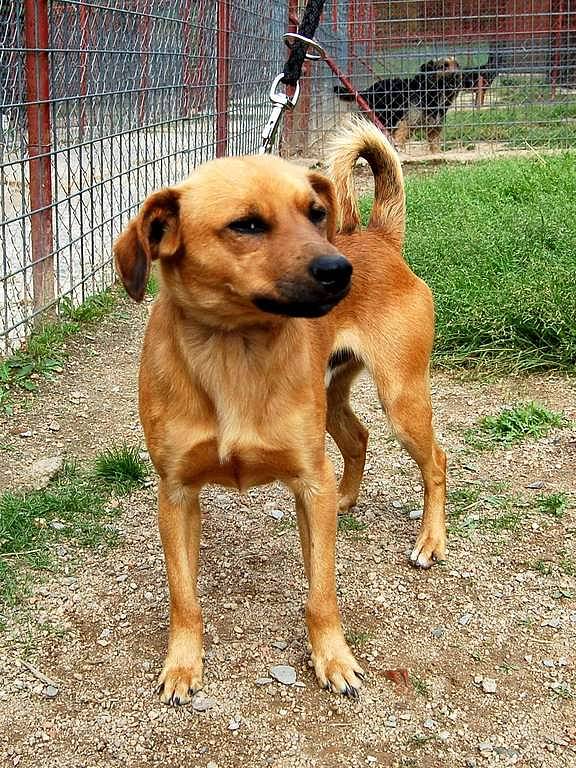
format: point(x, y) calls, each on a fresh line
point(400, 372)
point(179, 521)
point(407, 405)
point(350, 435)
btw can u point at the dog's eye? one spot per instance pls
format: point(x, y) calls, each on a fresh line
point(251, 225)
point(317, 215)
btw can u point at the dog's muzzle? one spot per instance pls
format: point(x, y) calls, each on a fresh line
point(329, 284)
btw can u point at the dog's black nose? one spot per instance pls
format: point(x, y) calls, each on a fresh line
point(332, 272)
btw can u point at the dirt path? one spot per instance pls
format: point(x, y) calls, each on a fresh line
point(502, 608)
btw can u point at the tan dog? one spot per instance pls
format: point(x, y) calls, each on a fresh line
point(232, 378)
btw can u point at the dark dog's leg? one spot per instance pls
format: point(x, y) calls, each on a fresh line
point(401, 134)
point(335, 666)
point(179, 521)
point(433, 133)
point(350, 435)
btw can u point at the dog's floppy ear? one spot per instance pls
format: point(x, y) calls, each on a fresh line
point(325, 191)
point(153, 234)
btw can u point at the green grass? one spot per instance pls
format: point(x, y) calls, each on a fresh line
point(44, 352)
point(554, 504)
point(120, 468)
point(76, 507)
point(90, 311)
point(496, 242)
point(513, 425)
point(350, 524)
point(527, 125)
point(421, 687)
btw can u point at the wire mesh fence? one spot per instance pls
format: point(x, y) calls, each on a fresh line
point(102, 102)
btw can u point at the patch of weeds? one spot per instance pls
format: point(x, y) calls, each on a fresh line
point(543, 567)
point(90, 311)
point(567, 566)
point(420, 739)
point(357, 639)
point(120, 468)
point(513, 425)
point(74, 507)
point(350, 524)
point(153, 286)
point(461, 500)
point(563, 691)
point(44, 352)
point(421, 687)
point(554, 504)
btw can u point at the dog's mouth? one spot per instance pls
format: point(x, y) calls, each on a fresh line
point(300, 304)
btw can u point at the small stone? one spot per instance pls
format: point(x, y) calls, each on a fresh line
point(485, 746)
point(537, 485)
point(54, 426)
point(397, 504)
point(415, 514)
point(264, 681)
point(154, 714)
point(444, 735)
point(371, 759)
point(211, 764)
point(284, 674)
point(202, 703)
point(277, 514)
point(280, 644)
point(51, 691)
point(438, 632)
point(28, 433)
point(429, 723)
point(57, 525)
point(489, 685)
point(549, 663)
point(43, 470)
point(465, 619)
point(233, 725)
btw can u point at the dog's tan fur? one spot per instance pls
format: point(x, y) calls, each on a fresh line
point(233, 395)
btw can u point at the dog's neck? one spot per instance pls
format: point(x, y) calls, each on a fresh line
point(250, 375)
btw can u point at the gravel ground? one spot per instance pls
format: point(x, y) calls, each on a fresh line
point(470, 664)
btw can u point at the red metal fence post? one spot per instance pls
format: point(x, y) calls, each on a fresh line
point(222, 84)
point(83, 65)
point(39, 148)
point(145, 53)
point(557, 37)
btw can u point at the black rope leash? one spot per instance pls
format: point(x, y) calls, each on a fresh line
point(306, 29)
point(298, 43)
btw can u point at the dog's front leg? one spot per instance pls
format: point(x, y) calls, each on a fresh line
point(179, 520)
point(336, 667)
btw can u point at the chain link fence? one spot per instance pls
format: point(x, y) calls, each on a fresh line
point(102, 102)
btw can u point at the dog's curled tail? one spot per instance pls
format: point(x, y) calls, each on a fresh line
point(360, 138)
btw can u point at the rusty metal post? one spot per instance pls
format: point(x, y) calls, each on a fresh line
point(39, 148)
point(555, 71)
point(83, 65)
point(145, 50)
point(222, 73)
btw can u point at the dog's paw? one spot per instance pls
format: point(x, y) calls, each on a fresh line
point(178, 682)
point(338, 671)
point(430, 548)
point(345, 503)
